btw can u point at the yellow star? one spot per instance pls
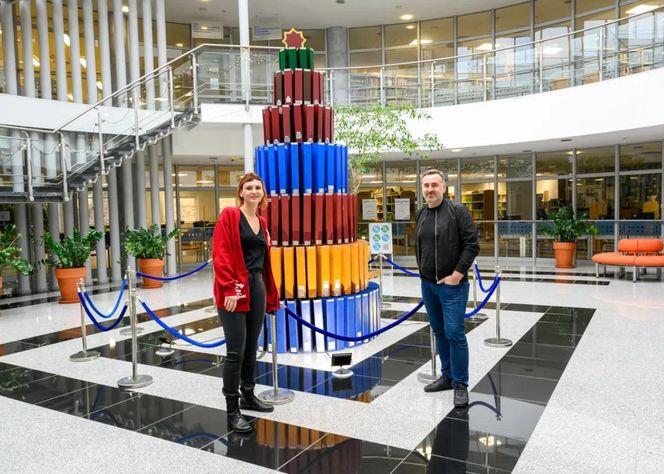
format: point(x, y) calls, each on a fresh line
point(293, 39)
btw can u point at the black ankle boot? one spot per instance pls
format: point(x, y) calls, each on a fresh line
point(248, 401)
point(234, 417)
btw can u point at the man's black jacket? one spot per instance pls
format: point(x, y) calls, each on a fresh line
point(456, 244)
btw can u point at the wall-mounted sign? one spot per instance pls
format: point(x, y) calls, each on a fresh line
point(369, 210)
point(402, 209)
point(264, 33)
point(208, 29)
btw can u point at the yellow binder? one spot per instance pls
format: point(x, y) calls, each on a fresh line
point(346, 264)
point(335, 269)
point(355, 266)
point(312, 274)
point(277, 260)
point(289, 273)
point(364, 265)
point(301, 273)
point(323, 261)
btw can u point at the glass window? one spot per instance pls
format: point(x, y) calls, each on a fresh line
point(475, 24)
point(320, 61)
point(594, 197)
point(481, 45)
point(644, 156)
point(514, 201)
point(196, 176)
point(515, 166)
point(315, 39)
point(230, 175)
point(177, 35)
point(367, 58)
point(548, 10)
point(478, 198)
point(401, 172)
point(595, 160)
point(477, 168)
point(641, 196)
point(402, 34)
point(634, 8)
point(437, 51)
point(551, 31)
point(402, 55)
point(364, 38)
point(511, 18)
point(551, 195)
point(449, 167)
point(590, 5)
point(594, 20)
point(437, 30)
point(557, 163)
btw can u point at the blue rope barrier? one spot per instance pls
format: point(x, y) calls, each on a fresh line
point(479, 279)
point(176, 277)
point(353, 338)
point(115, 307)
point(177, 334)
point(99, 326)
point(404, 270)
point(491, 290)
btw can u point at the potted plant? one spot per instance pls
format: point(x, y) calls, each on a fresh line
point(69, 257)
point(149, 248)
point(567, 227)
point(10, 252)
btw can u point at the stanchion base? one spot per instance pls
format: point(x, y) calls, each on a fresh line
point(84, 356)
point(127, 331)
point(478, 317)
point(164, 352)
point(426, 378)
point(342, 373)
point(278, 397)
point(496, 342)
point(138, 382)
point(211, 309)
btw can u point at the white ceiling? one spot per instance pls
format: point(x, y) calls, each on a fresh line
point(323, 13)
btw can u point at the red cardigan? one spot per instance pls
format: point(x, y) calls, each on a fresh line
point(230, 271)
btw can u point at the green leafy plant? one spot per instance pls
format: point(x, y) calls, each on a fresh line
point(10, 251)
point(567, 226)
point(147, 243)
point(371, 131)
point(71, 252)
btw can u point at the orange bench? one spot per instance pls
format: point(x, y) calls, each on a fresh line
point(635, 253)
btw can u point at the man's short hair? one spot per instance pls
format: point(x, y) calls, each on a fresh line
point(434, 171)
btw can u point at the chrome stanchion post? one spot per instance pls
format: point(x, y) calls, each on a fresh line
point(128, 331)
point(432, 377)
point(135, 381)
point(479, 316)
point(213, 308)
point(497, 341)
point(383, 305)
point(276, 396)
point(84, 355)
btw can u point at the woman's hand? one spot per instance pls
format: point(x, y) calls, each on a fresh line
point(230, 303)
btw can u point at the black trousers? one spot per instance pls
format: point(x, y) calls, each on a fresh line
point(241, 331)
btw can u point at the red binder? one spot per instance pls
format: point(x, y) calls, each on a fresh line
point(278, 94)
point(306, 219)
point(354, 217)
point(344, 217)
point(296, 203)
point(315, 87)
point(327, 132)
point(265, 213)
point(273, 204)
point(338, 219)
point(286, 122)
point(306, 86)
point(308, 122)
point(319, 120)
point(318, 202)
point(267, 126)
point(297, 123)
point(288, 86)
point(331, 125)
point(329, 219)
point(276, 125)
point(285, 220)
point(321, 82)
point(298, 87)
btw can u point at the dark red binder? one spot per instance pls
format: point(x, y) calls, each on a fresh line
point(306, 86)
point(285, 220)
point(306, 219)
point(298, 130)
point(321, 85)
point(344, 217)
point(320, 122)
point(265, 213)
point(319, 205)
point(278, 94)
point(338, 219)
point(288, 86)
point(329, 219)
point(298, 87)
point(273, 204)
point(353, 218)
point(331, 125)
point(327, 132)
point(286, 122)
point(315, 87)
point(296, 201)
point(276, 123)
point(267, 127)
point(308, 122)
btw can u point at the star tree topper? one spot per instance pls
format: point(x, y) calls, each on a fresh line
point(293, 39)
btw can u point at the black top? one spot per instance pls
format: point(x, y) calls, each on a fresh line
point(427, 246)
point(253, 245)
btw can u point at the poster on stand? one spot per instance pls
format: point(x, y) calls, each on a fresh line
point(380, 238)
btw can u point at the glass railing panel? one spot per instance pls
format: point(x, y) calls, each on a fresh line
point(515, 71)
point(640, 228)
point(554, 63)
point(515, 239)
point(471, 79)
point(444, 82)
point(585, 52)
point(401, 85)
point(364, 86)
point(610, 52)
point(12, 161)
point(638, 46)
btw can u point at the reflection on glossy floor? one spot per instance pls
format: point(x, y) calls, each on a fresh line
point(583, 362)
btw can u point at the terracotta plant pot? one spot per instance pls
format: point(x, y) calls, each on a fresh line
point(154, 267)
point(564, 253)
point(67, 280)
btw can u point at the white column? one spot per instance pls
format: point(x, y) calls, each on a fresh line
point(98, 199)
point(84, 226)
point(134, 57)
point(160, 14)
point(168, 204)
point(243, 18)
point(119, 49)
point(104, 49)
point(154, 185)
point(90, 56)
point(148, 52)
point(8, 42)
point(75, 51)
point(114, 225)
point(60, 60)
point(139, 179)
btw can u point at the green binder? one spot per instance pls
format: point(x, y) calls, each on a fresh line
point(282, 59)
point(292, 58)
point(310, 56)
point(303, 59)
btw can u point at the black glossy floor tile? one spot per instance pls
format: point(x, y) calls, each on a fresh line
point(194, 362)
point(540, 368)
point(571, 323)
point(587, 312)
point(541, 351)
point(357, 388)
point(547, 335)
point(88, 400)
point(532, 308)
point(419, 338)
point(417, 463)
point(35, 387)
point(138, 411)
point(14, 347)
point(396, 370)
point(515, 386)
point(407, 353)
point(336, 454)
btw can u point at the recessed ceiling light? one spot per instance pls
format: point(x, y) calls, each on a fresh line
point(637, 10)
point(179, 45)
point(204, 28)
point(410, 27)
point(407, 16)
point(125, 9)
point(456, 150)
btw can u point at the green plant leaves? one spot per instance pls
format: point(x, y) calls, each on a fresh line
point(567, 227)
point(10, 251)
point(147, 243)
point(71, 252)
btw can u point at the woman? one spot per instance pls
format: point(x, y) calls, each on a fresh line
point(244, 290)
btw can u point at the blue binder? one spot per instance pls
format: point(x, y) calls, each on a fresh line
point(281, 331)
point(350, 318)
point(307, 336)
point(366, 329)
point(293, 333)
point(283, 163)
point(259, 164)
point(344, 170)
point(295, 168)
point(318, 156)
point(330, 322)
point(272, 169)
point(264, 172)
point(329, 167)
point(319, 321)
point(338, 164)
point(307, 167)
point(340, 320)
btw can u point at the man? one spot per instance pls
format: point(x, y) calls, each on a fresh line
point(446, 246)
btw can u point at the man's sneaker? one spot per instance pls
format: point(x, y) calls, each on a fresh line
point(443, 383)
point(460, 395)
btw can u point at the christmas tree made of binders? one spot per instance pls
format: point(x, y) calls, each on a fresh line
point(320, 267)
